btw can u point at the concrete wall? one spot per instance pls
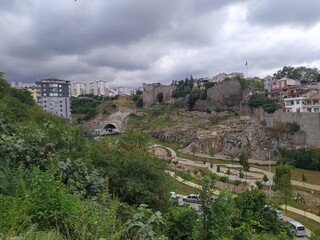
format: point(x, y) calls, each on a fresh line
point(308, 122)
point(150, 92)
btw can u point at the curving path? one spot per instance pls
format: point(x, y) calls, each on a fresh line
point(234, 172)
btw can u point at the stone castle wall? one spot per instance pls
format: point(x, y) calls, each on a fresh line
point(226, 93)
point(150, 92)
point(308, 122)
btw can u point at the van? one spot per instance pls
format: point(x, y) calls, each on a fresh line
point(297, 229)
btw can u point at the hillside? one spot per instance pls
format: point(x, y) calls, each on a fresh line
point(58, 184)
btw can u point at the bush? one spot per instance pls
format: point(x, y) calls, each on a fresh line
point(293, 127)
point(237, 182)
point(139, 103)
point(302, 158)
point(224, 179)
point(259, 184)
point(47, 201)
point(261, 101)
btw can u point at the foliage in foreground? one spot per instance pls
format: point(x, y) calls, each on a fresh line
point(57, 184)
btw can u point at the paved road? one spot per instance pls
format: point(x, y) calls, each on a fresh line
point(285, 218)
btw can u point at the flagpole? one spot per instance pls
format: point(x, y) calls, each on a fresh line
point(247, 69)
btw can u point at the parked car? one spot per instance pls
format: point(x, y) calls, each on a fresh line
point(297, 229)
point(193, 198)
point(174, 195)
point(279, 213)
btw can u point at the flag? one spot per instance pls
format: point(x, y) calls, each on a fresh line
point(246, 63)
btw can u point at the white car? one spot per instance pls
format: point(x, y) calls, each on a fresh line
point(174, 195)
point(279, 213)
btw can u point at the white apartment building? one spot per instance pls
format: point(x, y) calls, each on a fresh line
point(97, 87)
point(302, 100)
point(312, 104)
point(78, 88)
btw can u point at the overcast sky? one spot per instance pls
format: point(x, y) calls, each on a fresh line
point(130, 42)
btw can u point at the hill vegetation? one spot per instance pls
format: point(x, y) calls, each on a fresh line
point(58, 184)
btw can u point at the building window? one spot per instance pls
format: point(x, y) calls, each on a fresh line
point(292, 102)
point(297, 102)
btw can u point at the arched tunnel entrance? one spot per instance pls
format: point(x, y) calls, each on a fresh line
point(111, 128)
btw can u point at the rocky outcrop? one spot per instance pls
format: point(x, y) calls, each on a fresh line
point(226, 93)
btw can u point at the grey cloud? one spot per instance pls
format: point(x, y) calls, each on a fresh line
point(290, 12)
point(131, 42)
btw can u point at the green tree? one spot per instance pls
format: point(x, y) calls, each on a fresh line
point(221, 217)
point(193, 97)
point(282, 181)
point(160, 97)
point(212, 151)
point(180, 222)
point(244, 162)
point(252, 205)
point(205, 196)
point(303, 178)
point(139, 103)
point(135, 175)
point(302, 73)
point(265, 178)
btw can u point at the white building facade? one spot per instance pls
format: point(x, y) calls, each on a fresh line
point(307, 101)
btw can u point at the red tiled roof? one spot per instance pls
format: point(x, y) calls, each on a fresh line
point(315, 96)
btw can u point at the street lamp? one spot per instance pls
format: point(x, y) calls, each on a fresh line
point(270, 173)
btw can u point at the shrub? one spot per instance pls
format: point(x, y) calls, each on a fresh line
point(47, 201)
point(237, 182)
point(261, 101)
point(259, 184)
point(293, 127)
point(224, 179)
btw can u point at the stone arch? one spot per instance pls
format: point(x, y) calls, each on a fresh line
point(110, 128)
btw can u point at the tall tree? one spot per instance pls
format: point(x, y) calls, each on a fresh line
point(282, 181)
point(244, 162)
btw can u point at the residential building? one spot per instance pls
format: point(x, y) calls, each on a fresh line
point(301, 100)
point(282, 84)
point(53, 95)
point(25, 86)
point(78, 88)
point(222, 76)
point(312, 104)
point(97, 87)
